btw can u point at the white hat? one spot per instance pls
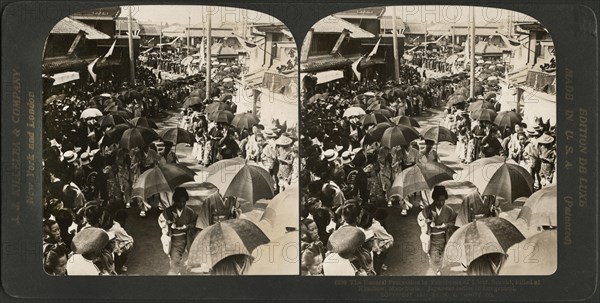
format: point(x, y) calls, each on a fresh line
point(347, 157)
point(86, 158)
point(70, 156)
point(330, 155)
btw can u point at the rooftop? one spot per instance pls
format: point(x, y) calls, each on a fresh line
point(332, 24)
point(72, 26)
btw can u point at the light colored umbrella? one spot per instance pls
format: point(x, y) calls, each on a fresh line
point(422, 176)
point(480, 237)
point(224, 239)
point(241, 178)
point(354, 111)
point(500, 177)
point(161, 178)
point(534, 256)
point(278, 257)
point(540, 208)
point(90, 113)
point(281, 214)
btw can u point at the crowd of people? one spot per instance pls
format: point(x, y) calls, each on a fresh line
point(347, 174)
point(88, 175)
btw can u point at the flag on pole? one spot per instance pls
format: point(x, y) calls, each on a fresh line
point(91, 69)
point(374, 51)
point(110, 51)
point(355, 67)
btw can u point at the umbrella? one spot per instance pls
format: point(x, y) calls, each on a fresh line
point(376, 99)
point(114, 134)
point(384, 111)
point(399, 135)
point(354, 111)
point(489, 95)
point(191, 101)
point(478, 90)
point(215, 242)
point(481, 104)
point(507, 119)
point(480, 237)
point(496, 176)
point(112, 120)
point(456, 99)
point(423, 176)
point(54, 98)
point(377, 131)
point(163, 177)
point(240, 178)
point(278, 257)
point(198, 93)
point(225, 97)
point(462, 91)
point(137, 136)
point(221, 116)
point(144, 122)
point(91, 113)
point(316, 97)
point(177, 135)
point(533, 256)
point(540, 208)
point(373, 119)
point(361, 99)
point(438, 134)
point(281, 213)
point(405, 120)
point(245, 121)
point(483, 114)
point(213, 107)
point(227, 80)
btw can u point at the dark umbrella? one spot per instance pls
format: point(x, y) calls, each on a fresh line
point(480, 237)
point(376, 132)
point(488, 96)
point(216, 106)
point(111, 120)
point(423, 176)
point(225, 97)
point(177, 135)
point(481, 104)
point(144, 122)
point(438, 134)
point(405, 120)
point(456, 99)
point(114, 134)
point(483, 114)
point(241, 178)
point(507, 119)
point(211, 245)
point(399, 135)
point(162, 178)
point(245, 121)
point(373, 119)
point(191, 101)
point(137, 137)
point(383, 111)
point(540, 208)
point(221, 116)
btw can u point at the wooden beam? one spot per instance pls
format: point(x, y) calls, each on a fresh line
point(341, 38)
point(306, 46)
point(80, 35)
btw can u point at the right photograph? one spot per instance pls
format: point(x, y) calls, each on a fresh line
point(428, 143)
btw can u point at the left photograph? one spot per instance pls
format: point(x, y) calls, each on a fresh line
point(170, 143)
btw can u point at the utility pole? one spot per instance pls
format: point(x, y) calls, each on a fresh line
point(472, 46)
point(208, 54)
point(160, 49)
point(188, 35)
point(131, 55)
point(425, 46)
point(395, 43)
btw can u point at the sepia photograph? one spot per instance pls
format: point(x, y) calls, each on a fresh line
point(170, 143)
point(428, 143)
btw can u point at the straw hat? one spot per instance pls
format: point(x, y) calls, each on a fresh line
point(545, 139)
point(284, 140)
point(531, 131)
point(345, 240)
point(90, 240)
point(346, 157)
point(70, 156)
point(269, 133)
point(86, 158)
point(330, 155)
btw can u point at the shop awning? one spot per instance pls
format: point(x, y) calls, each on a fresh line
point(324, 62)
point(326, 76)
point(65, 77)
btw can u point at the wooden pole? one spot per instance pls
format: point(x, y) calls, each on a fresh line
point(208, 54)
point(472, 71)
point(160, 49)
point(131, 55)
point(395, 44)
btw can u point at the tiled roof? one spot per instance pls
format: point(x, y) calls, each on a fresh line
point(121, 24)
point(147, 29)
point(72, 26)
point(486, 48)
point(332, 24)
